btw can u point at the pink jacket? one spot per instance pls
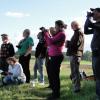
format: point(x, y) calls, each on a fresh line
point(55, 44)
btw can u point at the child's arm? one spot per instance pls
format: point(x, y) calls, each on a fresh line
point(6, 73)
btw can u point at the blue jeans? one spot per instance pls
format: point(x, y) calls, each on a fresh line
point(10, 80)
point(96, 71)
point(98, 87)
point(38, 67)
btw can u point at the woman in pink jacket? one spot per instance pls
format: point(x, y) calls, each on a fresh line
point(55, 45)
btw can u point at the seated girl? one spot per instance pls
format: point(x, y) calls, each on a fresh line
point(15, 74)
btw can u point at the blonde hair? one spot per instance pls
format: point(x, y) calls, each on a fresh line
point(52, 30)
point(75, 23)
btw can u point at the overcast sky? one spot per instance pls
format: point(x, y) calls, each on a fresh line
point(17, 15)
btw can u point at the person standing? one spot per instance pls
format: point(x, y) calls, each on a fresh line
point(75, 51)
point(7, 50)
point(54, 49)
point(0, 58)
point(24, 50)
point(91, 27)
point(40, 55)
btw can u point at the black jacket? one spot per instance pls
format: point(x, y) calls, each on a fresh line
point(7, 50)
point(40, 50)
point(93, 28)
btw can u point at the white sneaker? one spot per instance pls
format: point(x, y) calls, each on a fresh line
point(41, 83)
point(33, 83)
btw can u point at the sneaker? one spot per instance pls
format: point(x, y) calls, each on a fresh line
point(41, 83)
point(33, 83)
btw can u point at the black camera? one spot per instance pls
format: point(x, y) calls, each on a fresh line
point(43, 29)
point(18, 46)
point(90, 14)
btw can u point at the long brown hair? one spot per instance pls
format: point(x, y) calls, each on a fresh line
point(12, 59)
point(61, 24)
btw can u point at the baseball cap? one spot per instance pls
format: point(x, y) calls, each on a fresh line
point(41, 28)
point(4, 35)
point(97, 9)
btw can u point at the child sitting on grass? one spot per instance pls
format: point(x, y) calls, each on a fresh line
point(15, 74)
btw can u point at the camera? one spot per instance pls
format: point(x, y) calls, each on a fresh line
point(18, 46)
point(43, 29)
point(90, 14)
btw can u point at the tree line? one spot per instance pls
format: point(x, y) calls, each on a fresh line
point(87, 55)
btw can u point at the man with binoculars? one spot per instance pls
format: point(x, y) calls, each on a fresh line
point(92, 26)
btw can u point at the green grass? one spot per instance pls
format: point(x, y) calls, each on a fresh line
point(83, 62)
point(26, 91)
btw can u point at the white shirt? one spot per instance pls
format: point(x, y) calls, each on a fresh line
point(17, 71)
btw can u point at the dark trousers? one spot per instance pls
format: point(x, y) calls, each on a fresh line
point(53, 68)
point(46, 64)
point(94, 61)
point(24, 61)
point(97, 75)
point(3, 64)
point(96, 70)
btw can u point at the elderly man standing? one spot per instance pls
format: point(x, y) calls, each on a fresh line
point(75, 51)
point(7, 50)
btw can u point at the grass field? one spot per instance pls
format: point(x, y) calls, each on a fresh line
point(26, 91)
